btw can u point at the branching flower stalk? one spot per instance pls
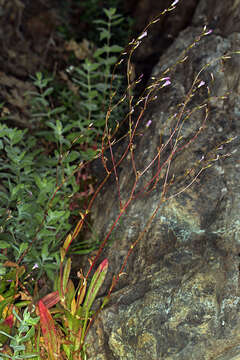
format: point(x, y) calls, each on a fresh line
point(204, 163)
point(148, 96)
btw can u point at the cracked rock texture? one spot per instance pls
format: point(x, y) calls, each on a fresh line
point(179, 298)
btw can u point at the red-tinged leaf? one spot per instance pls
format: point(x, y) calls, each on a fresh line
point(46, 319)
point(51, 299)
point(9, 321)
point(81, 292)
point(104, 265)
point(67, 242)
point(62, 254)
point(79, 225)
point(48, 331)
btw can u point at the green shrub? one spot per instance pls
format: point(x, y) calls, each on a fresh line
point(23, 339)
point(28, 180)
point(37, 184)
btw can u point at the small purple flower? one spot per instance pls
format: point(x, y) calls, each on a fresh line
point(165, 78)
point(142, 35)
point(201, 83)
point(148, 123)
point(35, 266)
point(208, 32)
point(167, 82)
point(175, 3)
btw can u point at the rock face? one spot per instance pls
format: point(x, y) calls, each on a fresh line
point(27, 43)
point(179, 296)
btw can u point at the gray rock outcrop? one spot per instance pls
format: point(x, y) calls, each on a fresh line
point(179, 296)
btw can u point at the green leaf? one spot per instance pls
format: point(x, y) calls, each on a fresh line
point(88, 154)
point(117, 22)
point(90, 106)
point(92, 94)
point(88, 66)
point(54, 215)
point(17, 191)
point(2, 273)
point(99, 52)
point(100, 21)
point(110, 12)
point(81, 72)
point(45, 251)
point(102, 87)
point(66, 273)
point(22, 248)
point(30, 333)
point(15, 136)
point(48, 92)
point(37, 102)
point(96, 283)
point(6, 238)
point(110, 60)
point(4, 333)
point(104, 34)
point(71, 156)
point(4, 244)
point(115, 48)
point(57, 110)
